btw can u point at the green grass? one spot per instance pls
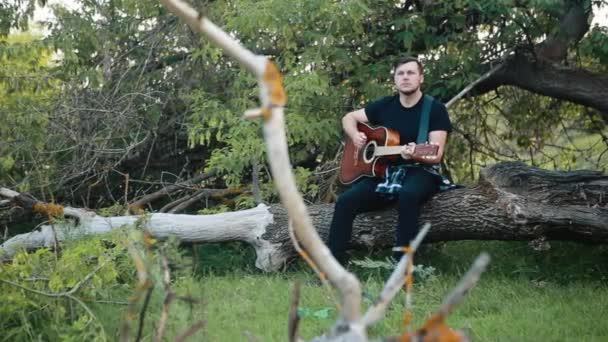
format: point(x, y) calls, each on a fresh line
point(525, 295)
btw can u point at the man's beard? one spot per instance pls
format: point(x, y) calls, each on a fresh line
point(410, 92)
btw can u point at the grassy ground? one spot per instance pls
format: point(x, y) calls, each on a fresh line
point(526, 295)
point(556, 295)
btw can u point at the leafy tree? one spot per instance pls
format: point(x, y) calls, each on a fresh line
point(143, 95)
point(27, 91)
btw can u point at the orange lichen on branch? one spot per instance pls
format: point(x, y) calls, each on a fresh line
point(311, 263)
point(136, 209)
point(149, 240)
point(266, 113)
point(434, 330)
point(409, 284)
point(49, 209)
point(274, 80)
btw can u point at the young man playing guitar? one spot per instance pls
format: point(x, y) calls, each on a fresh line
point(414, 180)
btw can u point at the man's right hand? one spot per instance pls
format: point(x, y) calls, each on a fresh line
point(359, 139)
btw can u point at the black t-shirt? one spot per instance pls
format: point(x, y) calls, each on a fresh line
point(390, 113)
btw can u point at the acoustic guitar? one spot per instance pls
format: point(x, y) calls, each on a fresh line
point(380, 150)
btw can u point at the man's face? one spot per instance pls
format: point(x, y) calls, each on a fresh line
point(408, 78)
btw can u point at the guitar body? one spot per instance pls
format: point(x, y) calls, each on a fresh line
point(356, 164)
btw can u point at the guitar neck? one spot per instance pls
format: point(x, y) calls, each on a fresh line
point(387, 150)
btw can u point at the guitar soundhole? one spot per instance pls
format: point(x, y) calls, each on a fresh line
point(368, 153)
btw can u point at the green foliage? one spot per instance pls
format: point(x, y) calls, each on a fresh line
point(81, 292)
point(117, 209)
point(215, 210)
point(539, 291)
point(15, 14)
point(595, 47)
point(387, 265)
point(27, 315)
point(26, 92)
point(131, 72)
point(323, 69)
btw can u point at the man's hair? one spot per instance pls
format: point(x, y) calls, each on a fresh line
point(408, 59)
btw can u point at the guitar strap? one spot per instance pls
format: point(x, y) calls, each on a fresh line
point(423, 129)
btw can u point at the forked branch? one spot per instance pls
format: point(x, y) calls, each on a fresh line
point(394, 283)
point(273, 99)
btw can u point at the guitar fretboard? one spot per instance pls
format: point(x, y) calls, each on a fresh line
point(387, 150)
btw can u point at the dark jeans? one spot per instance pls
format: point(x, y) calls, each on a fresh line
point(418, 186)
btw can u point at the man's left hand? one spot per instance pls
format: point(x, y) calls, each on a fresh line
point(407, 152)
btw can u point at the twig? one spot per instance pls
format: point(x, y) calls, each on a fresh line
point(171, 205)
point(126, 189)
point(394, 283)
point(466, 283)
point(110, 302)
point(143, 171)
point(144, 284)
point(140, 203)
point(310, 262)
point(160, 331)
point(472, 85)
point(194, 198)
point(55, 241)
point(142, 313)
point(435, 328)
point(185, 202)
point(294, 318)
point(255, 181)
point(193, 329)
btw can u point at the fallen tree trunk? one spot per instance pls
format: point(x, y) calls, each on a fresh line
point(512, 201)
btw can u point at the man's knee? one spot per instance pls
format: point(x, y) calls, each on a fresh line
point(408, 196)
point(346, 203)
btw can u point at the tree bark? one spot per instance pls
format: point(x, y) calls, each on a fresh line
point(542, 71)
point(546, 78)
point(512, 201)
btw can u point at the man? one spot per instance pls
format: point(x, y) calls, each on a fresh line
point(418, 180)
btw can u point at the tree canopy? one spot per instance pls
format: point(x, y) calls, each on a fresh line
point(133, 91)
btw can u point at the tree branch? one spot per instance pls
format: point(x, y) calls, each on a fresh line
point(140, 203)
point(273, 99)
point(394, 283)
point(564, 83)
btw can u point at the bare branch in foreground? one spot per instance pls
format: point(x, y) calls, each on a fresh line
point(311, 263)
point(169, 295)
point(142, 313)
point(144, 284)
point(193, 329)
point(273, 99)
point(394, 283)
point(466, 283)
point(435, 328)
point(294, 318)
